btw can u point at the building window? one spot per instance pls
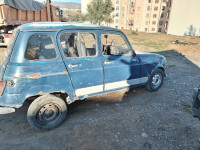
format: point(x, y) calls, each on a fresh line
point(132, 2)
point(117, 8)
point(153, 22)
point(165, 1)
point(117, 14)
point(117, 1)
point(146, 29)
point(147, 16)
point(138, 8)
point(155, 8)
point(146, 22)
point(148, 8)
point(132, 9)
point(153, 29)
point(162, 15)
point(163, 8)
point(123, 11)
point(156, 1)
point(161, 23)
point(159, 30)
point(154, 15)
point(149, 1)
point(130, 22)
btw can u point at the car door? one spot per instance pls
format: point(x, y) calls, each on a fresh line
point(121, 67)
point(81, 57)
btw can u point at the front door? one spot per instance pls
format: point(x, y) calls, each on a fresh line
point(80, 54)
point(121, 69)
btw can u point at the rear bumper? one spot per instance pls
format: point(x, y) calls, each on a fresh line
point(6, 110)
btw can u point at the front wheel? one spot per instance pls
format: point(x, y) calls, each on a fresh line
point(155, 80)
point(46, 112)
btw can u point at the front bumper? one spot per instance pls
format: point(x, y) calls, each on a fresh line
point(196, 103)
point(6, 110)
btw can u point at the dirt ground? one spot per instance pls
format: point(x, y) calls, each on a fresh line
point(127, 119)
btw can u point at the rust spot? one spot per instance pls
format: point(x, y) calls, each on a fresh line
point(34, 76)
point(75, 98)
point(65, 72)
point(40, 93)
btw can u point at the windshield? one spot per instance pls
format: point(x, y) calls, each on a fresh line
point(5, 52)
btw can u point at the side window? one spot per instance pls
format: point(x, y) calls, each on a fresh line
point(73, 47)
point(114, 44)
point(88, 44)
point(69, 44)
point(40, 47)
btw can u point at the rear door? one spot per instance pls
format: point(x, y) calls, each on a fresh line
point(81, 57)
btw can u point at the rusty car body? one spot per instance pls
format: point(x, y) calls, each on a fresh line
point(70, 62)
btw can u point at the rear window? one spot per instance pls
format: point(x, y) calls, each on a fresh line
point(40, 47)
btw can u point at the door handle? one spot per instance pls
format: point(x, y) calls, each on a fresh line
point(107, 62)
point(72, 66)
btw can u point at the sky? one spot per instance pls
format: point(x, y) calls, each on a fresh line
point(76, 1)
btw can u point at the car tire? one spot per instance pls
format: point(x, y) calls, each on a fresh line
point(47, 112)
point(155, 81)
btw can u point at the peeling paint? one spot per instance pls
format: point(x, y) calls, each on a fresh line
point(40, 93)
point(65, 72)
point(34, 76)
point(75, 98)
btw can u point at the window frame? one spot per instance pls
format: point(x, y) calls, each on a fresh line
point(79, 32)
point(38, 60)
point(125, 39)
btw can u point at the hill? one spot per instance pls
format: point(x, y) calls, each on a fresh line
point(69, 5)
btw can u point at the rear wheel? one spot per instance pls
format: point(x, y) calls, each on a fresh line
point(47, 112)
point(155, 80)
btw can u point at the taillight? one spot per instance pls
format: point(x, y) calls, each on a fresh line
point(2, 86)
point(7, 35)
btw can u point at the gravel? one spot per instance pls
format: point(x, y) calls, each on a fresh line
point(127, 119)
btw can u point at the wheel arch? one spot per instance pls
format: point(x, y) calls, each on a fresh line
point(62, 94)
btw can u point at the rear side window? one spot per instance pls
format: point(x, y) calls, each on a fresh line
point(40, 47)
point(78, 44)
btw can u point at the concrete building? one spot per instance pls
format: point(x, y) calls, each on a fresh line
point(139, 15)
point(184, 18)
point(84, 4)
point(151, 15)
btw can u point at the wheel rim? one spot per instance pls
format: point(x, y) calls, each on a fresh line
point(156, 80)
point(49, 114)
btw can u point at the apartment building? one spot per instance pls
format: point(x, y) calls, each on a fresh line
point(84, 4)
point(184, 18)
point(152, 15)
point(139, 15)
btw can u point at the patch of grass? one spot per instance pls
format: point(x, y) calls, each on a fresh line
point(134, 33)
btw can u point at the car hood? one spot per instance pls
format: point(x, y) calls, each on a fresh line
point(151, 58)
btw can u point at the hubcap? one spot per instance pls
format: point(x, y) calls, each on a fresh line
point(156, 80)
point(49, 114)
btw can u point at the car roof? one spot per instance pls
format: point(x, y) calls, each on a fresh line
point(57, 26)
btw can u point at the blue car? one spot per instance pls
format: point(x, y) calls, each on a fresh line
point(55, 64)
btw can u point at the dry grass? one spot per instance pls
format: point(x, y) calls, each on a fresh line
point(149, 42)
